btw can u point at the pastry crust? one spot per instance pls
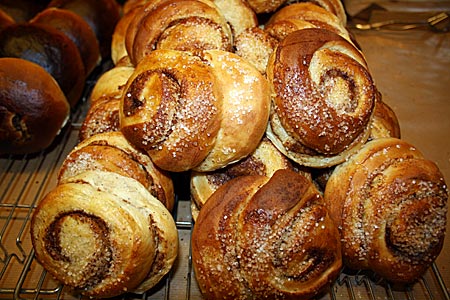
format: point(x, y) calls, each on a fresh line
point(265, 160)
point(189, 111)
point(323, 98)
point(245, 108)
point(259, 237)
point(171, 109)
point(33, 108)
point(390, 204)
point(186, 25)
point(111, 152)
point(102, 234)
point(77, 30)
point(49, 48)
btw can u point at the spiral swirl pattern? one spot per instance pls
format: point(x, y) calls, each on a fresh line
point(390, 204)
point(323, 97)
point(185, 25)
point(259, 237)
point(171, 111)
point(102, 234)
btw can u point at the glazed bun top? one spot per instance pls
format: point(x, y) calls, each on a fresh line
point(49, 48)
point(33, 109)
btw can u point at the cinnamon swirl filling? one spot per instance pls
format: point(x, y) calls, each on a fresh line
point(89, 260)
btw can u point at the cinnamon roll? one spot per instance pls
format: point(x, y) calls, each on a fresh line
point(390, 204)
point(336, 7)
point(259, 237)
point(265, 160)
point(322, 98)
point(103, 234)
point(185, 25)
point(194, 111)
point(111, 152)
point(306, 14)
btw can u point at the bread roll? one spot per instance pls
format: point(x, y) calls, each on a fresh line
point(33, 109)
point(336, 7)
point(322, 98)
point(265, 238)
point(111, 152)
point(75, 28)
point(311, 13)
point(185, 25)
point(49, 48)
point(101, 15)
point(103, 234)
point(390, 204)
point(192, 112)
point(265, 160)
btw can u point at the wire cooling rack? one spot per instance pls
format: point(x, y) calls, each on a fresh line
point(25, 180)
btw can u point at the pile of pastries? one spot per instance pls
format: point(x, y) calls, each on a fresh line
point(47, 51)
point(296, 165)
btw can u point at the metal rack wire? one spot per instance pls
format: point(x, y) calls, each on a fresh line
point(25, 180)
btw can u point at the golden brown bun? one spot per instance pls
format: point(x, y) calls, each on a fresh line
point(238, 14)
point(162, 105)
point(336, 7)
point(33, 109)
point(390, 204)
point(49, 48)
point(75, 28)
point(255, 45)
point(192, 112)
point(103, 234)
point(111, 152)
point(101, 15)
point(245, 109)
point(384, 121)
point(185, 25)
point(265, 160)
point(323, 98)
point(259, 237)
point(311, 13)
point(102, 116)
point(265, 6)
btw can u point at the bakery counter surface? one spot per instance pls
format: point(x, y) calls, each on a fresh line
point(411, 69)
